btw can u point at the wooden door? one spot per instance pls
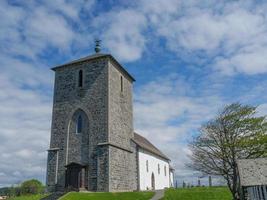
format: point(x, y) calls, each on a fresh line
point(73, 177)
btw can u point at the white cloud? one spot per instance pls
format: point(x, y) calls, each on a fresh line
point(234, 34)
point(26, 82)
point(251, 62)
point(2, 173)
point(45, 28)
point(30, 29)
point(66, 8)
point(168, 113)
point(123, 33)
point(229, 35)
point(25, 123)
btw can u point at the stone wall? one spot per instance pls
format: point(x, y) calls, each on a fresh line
point(122, 164)
point(92, 98)
point(252, 171)
point(106, 108)
point(123, 170)
point(51, 168)
point(120, 108)
point(78, 143)
point(103, 169)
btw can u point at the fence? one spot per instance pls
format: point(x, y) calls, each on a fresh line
point(256, 193)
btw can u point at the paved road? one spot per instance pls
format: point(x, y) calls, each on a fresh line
point(158, 195)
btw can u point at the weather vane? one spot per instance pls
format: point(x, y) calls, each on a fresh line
point(97, 45)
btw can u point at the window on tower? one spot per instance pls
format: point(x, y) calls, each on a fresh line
point(121, 84)
point(165, 171)
point(158, 169)
point(79, 124)
point(80, 81)
point(147, 165)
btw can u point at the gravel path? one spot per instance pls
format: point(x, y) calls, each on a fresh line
point(158, 195)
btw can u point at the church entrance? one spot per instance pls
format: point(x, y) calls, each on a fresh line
point(153, 181)
point(75, 176)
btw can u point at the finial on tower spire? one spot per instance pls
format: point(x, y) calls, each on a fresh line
point(97, 45)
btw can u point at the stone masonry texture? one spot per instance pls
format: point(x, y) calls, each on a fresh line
point(104, 145)
point(122, 164)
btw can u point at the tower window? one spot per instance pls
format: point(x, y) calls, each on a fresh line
point(158, 169)
point(80, 80)
point(147, 165)
point(165, 171)
point(79, 124)
point(121, 84)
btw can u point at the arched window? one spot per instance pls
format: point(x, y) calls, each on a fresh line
point(79, 124)
point(158, 169)
point(147, 165)
point(80, 81)
point(165, 171)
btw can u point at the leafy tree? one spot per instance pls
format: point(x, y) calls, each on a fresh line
point(31, 187)
point(236, 133)
point(12, 191)
point(4, 191)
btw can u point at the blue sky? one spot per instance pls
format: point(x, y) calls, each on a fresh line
point(189, 59)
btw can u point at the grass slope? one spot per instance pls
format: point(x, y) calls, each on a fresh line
point(198, 193)
point(28, 197)
point(108, 196)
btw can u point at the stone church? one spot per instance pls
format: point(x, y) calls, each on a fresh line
point(93, 144)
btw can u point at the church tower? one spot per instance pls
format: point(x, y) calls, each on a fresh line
point(91, 144)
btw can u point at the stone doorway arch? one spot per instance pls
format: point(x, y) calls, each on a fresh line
point(75, 176)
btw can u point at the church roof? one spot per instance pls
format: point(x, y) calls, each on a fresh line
point(252, 172)
point(145, 144)
point(96, 56)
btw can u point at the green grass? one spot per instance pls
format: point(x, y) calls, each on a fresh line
point(28, 197)
point(108, 196)
point(198, 193)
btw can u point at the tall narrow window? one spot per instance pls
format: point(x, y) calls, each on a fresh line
point(158, 169)
point(80, 81)
point(79, 124)
point(165, 171)
point(121, 84)
point(147, 165)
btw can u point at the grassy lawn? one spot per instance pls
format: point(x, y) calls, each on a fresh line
point(108, 196)
point(198, 193)
point(28, 197)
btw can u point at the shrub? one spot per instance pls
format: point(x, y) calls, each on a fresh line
point(31, 187)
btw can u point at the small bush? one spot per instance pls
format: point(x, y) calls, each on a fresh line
point(31, 187)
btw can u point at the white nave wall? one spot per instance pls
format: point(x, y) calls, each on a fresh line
point(171, 179)
point(161, 181)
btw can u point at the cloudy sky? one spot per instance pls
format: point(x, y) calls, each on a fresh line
point(189, 59)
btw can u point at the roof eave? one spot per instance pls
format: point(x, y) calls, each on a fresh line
point(122, 68)
point(165, 158)
point(77, 61)
point(101, 56)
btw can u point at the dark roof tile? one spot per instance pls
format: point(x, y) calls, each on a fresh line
point(145, 144)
